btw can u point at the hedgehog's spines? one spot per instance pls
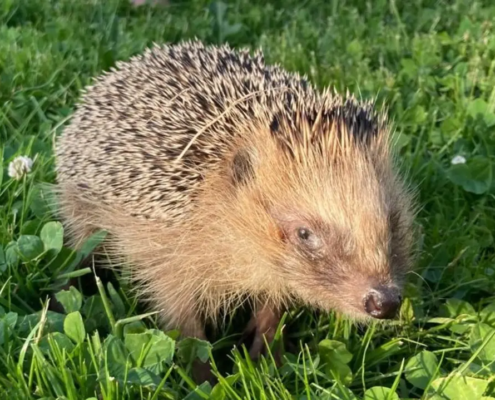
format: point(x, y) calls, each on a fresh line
point(150, 155)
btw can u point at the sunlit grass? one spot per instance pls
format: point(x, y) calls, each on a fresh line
point(432, 64)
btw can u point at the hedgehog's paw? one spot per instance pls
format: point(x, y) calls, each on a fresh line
point(259, 347)
point(262, 328)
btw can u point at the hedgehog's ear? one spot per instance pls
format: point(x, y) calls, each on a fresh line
point(242, 167)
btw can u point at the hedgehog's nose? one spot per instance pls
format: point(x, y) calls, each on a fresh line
point(382, 302)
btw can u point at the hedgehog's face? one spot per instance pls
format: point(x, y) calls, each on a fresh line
point(345, 237)
point(347, 267)
point(338, 230)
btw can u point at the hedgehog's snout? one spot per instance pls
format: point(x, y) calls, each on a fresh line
point(383, 302)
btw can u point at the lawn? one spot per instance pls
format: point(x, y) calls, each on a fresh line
point(430, 62)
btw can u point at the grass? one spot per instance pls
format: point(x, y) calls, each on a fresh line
point(431, 62)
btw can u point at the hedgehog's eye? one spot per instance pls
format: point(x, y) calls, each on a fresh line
point(308, 238)
point(303, 234)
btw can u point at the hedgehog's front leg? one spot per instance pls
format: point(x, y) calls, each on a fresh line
point(192, 326)
point(264, 323)
point(179, 311)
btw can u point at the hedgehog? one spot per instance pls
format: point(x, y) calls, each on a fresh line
point(222, 180)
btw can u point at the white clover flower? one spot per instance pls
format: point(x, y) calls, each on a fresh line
point(19, 167)
point(458, 160)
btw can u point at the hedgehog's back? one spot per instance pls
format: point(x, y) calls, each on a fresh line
point(133, 124)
